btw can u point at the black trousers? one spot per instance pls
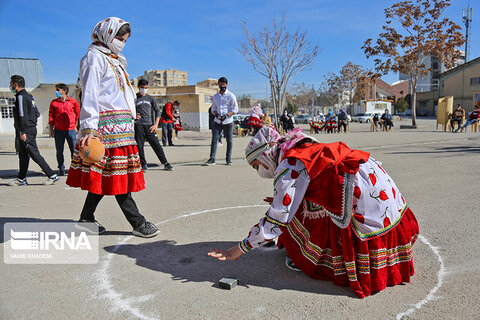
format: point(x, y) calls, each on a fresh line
point(143, 133)
point(29, 149)
point(125, 201)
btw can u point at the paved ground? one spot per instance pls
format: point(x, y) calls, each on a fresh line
point(198, 208)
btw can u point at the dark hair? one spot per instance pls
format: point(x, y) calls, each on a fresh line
point(123, 30)
point(223, 80)
point(142, 82)
point(62, 86)
point(176, 102)
point(19, 80)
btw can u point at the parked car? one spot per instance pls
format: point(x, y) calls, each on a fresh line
point(303, 118)
point(237, 118)
point(363, 117)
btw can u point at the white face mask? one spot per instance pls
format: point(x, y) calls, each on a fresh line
point(266, 173)
point(116, 46)
point(143, 91)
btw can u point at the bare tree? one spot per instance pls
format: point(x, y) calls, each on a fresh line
point(350, 82)
point(278, 55)
point(300, 95)
point(413, 31)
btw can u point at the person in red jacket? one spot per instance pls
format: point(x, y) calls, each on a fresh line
point(167, 122)
point(63, 120)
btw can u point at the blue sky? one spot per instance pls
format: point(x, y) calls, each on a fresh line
point(200, 37)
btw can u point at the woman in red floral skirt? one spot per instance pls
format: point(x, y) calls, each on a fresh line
point(336, 211)
point(107, 113)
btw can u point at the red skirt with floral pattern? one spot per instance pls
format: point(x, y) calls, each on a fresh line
point(324, 251)
point(119, 172)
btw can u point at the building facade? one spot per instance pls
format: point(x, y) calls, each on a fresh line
point(463, 83)
point(195, 100)
point(164, 78)
point(31, 70)
point(431, 81)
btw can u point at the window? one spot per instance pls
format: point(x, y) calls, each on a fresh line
point(176, 81)
point(7, 112)
point(208, 99)
point(184, 82)
point(474, 81)
point(169, 81)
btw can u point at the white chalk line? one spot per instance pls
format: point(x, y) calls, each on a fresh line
point(119, 303)
point(105, 285)
point(431, 294)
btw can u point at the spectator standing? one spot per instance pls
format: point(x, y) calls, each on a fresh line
point(473, 117)
point(146, 128)
point(177, 122)
point(457, 116)
point(224, 106)
point(342, 120)
point(25, 115)
point(167, 122)
point(287, 122)
point(63, 121)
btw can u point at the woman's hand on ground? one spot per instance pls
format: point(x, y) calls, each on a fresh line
point(231, 254)
point(85, 140)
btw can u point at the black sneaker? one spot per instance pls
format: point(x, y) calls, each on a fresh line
point(210, 162)
point(290, 265)
point(146, 230)
point(168, 167)
point(144, 167)
point(229, 162)
point(101, 229)
point(61, 172)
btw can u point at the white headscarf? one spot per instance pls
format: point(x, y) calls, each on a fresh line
point(103, 35)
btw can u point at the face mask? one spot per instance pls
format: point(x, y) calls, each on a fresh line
point(266, 173)
point(58, 94)
point(223, 89)
point(143, 91)
point(11, 89)
point(116, 46)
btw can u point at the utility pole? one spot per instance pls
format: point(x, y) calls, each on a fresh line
point(313, 100)
point(467, 19)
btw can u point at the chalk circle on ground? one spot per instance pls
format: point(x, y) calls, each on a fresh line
point(123, 304)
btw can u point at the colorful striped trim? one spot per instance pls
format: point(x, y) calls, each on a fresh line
point(252, 155)
point(90, 131)
point(271, 220)
point(378, 232)
point(280, 175)
point(317, 255)
point(245, 246)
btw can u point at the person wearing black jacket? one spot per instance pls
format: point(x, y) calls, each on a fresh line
point(25, 115)
point(146, 128)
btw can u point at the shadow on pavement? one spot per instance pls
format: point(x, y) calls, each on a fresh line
point(457, 149)
point(13, 173)
point(264, 267)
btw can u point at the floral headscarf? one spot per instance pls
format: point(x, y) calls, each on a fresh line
point(103, 34)
point(268, 146)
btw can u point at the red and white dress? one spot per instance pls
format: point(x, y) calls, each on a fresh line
point(108, 112)
point(340, 217)
point(255, 116)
